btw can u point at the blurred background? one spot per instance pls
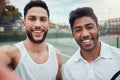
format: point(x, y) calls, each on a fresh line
point(107, 11)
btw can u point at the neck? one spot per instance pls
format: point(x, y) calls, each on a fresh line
point(90, 56)
point(35, 47)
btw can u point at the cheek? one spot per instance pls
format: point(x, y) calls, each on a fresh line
point(46, 26)
point(76, 36)
point(28, 27)
point(94, 32)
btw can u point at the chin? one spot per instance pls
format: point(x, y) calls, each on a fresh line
point(88, 48)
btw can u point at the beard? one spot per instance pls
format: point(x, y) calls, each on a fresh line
point(95, 39)
point(29, 34)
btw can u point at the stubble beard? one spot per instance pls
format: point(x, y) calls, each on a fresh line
point(95, 39)
point(29, 34)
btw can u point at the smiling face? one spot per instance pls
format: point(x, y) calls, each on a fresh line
point(86, 33)
point(36, 24)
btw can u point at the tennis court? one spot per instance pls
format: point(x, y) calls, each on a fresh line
point(68, 45)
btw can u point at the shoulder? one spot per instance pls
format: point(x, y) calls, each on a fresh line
point(9, 50)
point(73, 59)
point(70, 61)
point(59, 56)
point(115, 51)
point(110, 49)
point(9, 55)
point(60, 62)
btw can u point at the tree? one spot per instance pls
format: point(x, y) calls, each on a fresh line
point(10, 15)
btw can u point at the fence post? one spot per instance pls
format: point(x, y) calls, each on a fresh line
point(117, 42)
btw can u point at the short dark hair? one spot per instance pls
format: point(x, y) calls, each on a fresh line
point(36, 3)
point(80, 12)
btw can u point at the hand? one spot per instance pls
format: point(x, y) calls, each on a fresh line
point(7, 74)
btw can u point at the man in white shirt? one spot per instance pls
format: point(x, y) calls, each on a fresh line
point(94, 60)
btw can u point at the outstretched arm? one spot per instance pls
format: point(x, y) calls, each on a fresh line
point(4, 56)
point(7, 74)
point(9, 55)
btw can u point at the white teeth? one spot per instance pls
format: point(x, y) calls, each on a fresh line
point(86, 40)
point(37, 31)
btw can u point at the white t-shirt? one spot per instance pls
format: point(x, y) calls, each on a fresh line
point(103, 68)
point(29, 70)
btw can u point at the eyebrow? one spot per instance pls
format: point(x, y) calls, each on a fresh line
point(89, 24)
point(35, 16)
point(75, 27)
point(43, 17)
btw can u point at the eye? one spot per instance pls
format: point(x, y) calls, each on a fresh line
point(89, 26)
point(43, 19)
point(32, 18)
point(77, 29)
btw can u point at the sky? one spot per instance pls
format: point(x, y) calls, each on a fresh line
point(60, 9)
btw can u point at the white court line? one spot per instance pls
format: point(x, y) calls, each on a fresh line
point(66, 55)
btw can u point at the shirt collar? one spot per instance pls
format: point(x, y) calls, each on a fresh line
point(77, 55)
point(104, 53)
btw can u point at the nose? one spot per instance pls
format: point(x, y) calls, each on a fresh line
point(38, 23)
point(85, 33)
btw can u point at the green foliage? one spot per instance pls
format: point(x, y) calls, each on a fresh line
point(12, 36)
point(10, 15)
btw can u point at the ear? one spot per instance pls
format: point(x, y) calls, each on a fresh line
point(99, 30)
point(23, 23)
point(49, 23)
point(72, 34)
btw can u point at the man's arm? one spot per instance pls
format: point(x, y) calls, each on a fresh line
point(4, 56)
point(60, 62)
point(8, 55)
point(7, 74)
